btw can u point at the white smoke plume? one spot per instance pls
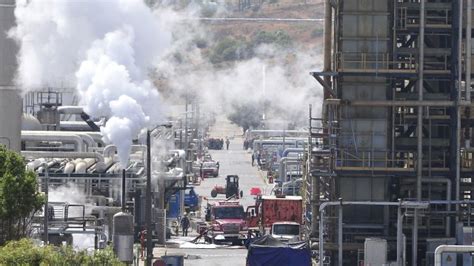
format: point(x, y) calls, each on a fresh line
point(103, 48)
point(273, 76)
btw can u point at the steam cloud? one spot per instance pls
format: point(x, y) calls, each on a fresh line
point(104, 49)
point(274, 76)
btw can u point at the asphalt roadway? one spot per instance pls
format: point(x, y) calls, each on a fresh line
point(233, 161)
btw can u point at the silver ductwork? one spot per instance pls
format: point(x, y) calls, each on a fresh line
point(284, 162)
point(86, 137)
point(71, 155)
point(71, 110)
point(75, 139)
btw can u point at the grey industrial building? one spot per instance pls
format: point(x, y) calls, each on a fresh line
point(397, 125)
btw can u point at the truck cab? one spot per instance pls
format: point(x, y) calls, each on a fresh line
point(286, 231)
point(227, 221)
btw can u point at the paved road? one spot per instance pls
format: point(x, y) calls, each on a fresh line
point(232, 161)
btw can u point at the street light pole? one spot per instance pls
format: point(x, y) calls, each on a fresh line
point(46, 206)
point(149, 230)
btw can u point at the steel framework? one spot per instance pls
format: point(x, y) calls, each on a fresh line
point(396, 121)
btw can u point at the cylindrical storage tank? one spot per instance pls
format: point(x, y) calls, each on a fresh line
point(10, 100)
point(29, 122)
point(375, 251)
point(10, 118)
point(48, 116)
point(123, 236)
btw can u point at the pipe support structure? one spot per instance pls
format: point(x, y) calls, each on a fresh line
point(451, 249)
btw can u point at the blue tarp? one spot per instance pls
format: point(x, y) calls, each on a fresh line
point(268, 251)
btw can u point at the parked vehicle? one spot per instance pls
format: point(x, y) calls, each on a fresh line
point(191, 200)
point(227, 222)
point(270, 251)
point(286, 231)
point(215, 144)
point(269, 210)
point(231, 188)
point(209, 168)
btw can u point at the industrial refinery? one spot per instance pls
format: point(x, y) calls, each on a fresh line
point(312, 132)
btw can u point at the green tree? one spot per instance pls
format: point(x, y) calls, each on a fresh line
point(19, 197)
point(228, 49)
point(279, 38)
point(246, 115)
point(24, 252)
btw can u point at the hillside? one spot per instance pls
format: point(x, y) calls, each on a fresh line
point(305, 33)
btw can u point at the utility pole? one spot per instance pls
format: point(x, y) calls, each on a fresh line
point(46, 206)
point(149, 230)
point(186, 129)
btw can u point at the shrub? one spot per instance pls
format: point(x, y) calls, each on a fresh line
point(24, 252)
point(279, 38)
point(228, 49)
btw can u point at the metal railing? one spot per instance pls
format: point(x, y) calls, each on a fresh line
point(375, 158)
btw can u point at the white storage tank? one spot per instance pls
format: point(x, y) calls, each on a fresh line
point(10, 118)
point(10, 100)
point(375, 252)
point(123, 236)
point(8, 47)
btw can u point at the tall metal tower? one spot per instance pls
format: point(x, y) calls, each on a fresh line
point(397, 123)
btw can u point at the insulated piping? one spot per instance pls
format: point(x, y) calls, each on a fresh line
point(71, 138)
point(110, 150)
point(282, 167)
point(86, 137)
point(452, 249)
point(181, 153)
point(292, 150)
point(48, 154)
point(71, 109)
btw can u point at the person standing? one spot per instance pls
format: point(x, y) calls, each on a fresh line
point(253, 159)
point(227, 142)
point(185, 224)
point(259, 162)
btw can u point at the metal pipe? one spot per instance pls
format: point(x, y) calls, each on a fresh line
point(54, 154)
point(322, 207)
point(451, 249)
point(400, 261)
point(282, 167)
point(291, 150)
point(79, 143)
point(88, 139)
point(339, 236)
point(381, 103)
point(468, 48)
point(327, 41)
point(321, 233)
point(46, 206)
point(419, 176)
point(458, 108)
point(71, 109)
point(123, 190)
point(448, 197)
